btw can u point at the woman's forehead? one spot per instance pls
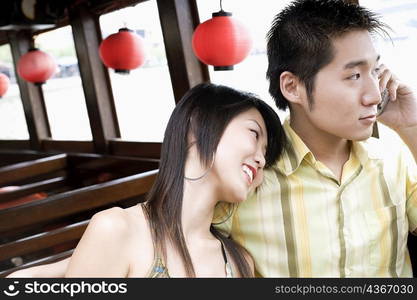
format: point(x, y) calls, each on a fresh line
point(251, 114)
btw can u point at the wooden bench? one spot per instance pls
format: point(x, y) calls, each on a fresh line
point(8, 157)
point(48, 229)
point(34, 170)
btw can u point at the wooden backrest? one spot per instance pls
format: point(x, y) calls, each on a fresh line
point(39, 230)
point(8, 157)
point(75, 201)
point(56, 237)
point(20, 171)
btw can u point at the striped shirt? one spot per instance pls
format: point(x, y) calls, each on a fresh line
point(303, 222)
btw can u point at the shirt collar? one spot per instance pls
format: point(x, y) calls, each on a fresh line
point(297, 151)
point(366, 150)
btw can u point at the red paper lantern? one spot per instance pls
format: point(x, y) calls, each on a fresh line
point(4, 84)
point(221, 41)
point(122, 51)
point(36, 66)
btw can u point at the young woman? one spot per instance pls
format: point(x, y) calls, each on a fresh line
point(217, 142)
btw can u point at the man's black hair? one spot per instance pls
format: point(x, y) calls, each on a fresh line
point(300, 39)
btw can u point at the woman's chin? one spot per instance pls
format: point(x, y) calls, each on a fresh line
point(239, 197)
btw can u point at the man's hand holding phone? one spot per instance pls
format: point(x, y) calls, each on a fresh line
point(400, 109)
point(384, 102)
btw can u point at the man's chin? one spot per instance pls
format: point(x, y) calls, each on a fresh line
point(361, 137)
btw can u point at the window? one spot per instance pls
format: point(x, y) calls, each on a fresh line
point(398, 54)
point(63, 94)
point(12, 117)
point(144, 98)
point(257, 16)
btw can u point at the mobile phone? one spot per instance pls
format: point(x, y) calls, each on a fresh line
point(384, 101)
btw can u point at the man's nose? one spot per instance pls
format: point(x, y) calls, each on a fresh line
point(372, 94)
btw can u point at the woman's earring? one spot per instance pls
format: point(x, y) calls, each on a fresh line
point(226, 209)
point(205, 173)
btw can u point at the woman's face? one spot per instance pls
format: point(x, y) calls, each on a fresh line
point(240, 156)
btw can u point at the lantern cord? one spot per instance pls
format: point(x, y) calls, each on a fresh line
point(221, 7)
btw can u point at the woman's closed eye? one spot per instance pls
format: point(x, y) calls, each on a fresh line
point(256, 133)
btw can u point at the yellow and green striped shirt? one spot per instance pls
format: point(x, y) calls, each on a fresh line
point(302, 222)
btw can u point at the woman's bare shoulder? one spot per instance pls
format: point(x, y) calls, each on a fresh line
point(113, 219)
point(136, 216)
point(141, 249)
point(109, 237)
point(120, 223)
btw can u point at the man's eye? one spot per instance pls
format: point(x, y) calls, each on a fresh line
point(377, 71)
point(355, 76)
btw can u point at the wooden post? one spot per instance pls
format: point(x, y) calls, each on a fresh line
point(178, 19)
point(95, 78)
point(31, 95)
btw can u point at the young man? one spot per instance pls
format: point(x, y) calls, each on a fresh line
point(337, 204)
point(334, 205)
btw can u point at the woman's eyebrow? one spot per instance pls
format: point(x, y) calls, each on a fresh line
point(260, 128)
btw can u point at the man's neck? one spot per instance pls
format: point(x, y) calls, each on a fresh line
point(330, 150)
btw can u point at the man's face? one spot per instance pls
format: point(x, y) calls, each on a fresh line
point(346, 91)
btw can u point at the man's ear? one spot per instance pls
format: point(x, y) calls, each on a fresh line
point(291, 87)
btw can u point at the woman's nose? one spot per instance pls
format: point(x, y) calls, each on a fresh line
point(260, 159)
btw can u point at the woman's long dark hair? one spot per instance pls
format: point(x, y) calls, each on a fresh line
point(204, 112)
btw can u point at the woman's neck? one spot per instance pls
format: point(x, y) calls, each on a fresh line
point(198, 205)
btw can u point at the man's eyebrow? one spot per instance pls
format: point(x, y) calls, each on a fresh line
point(357, 63)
